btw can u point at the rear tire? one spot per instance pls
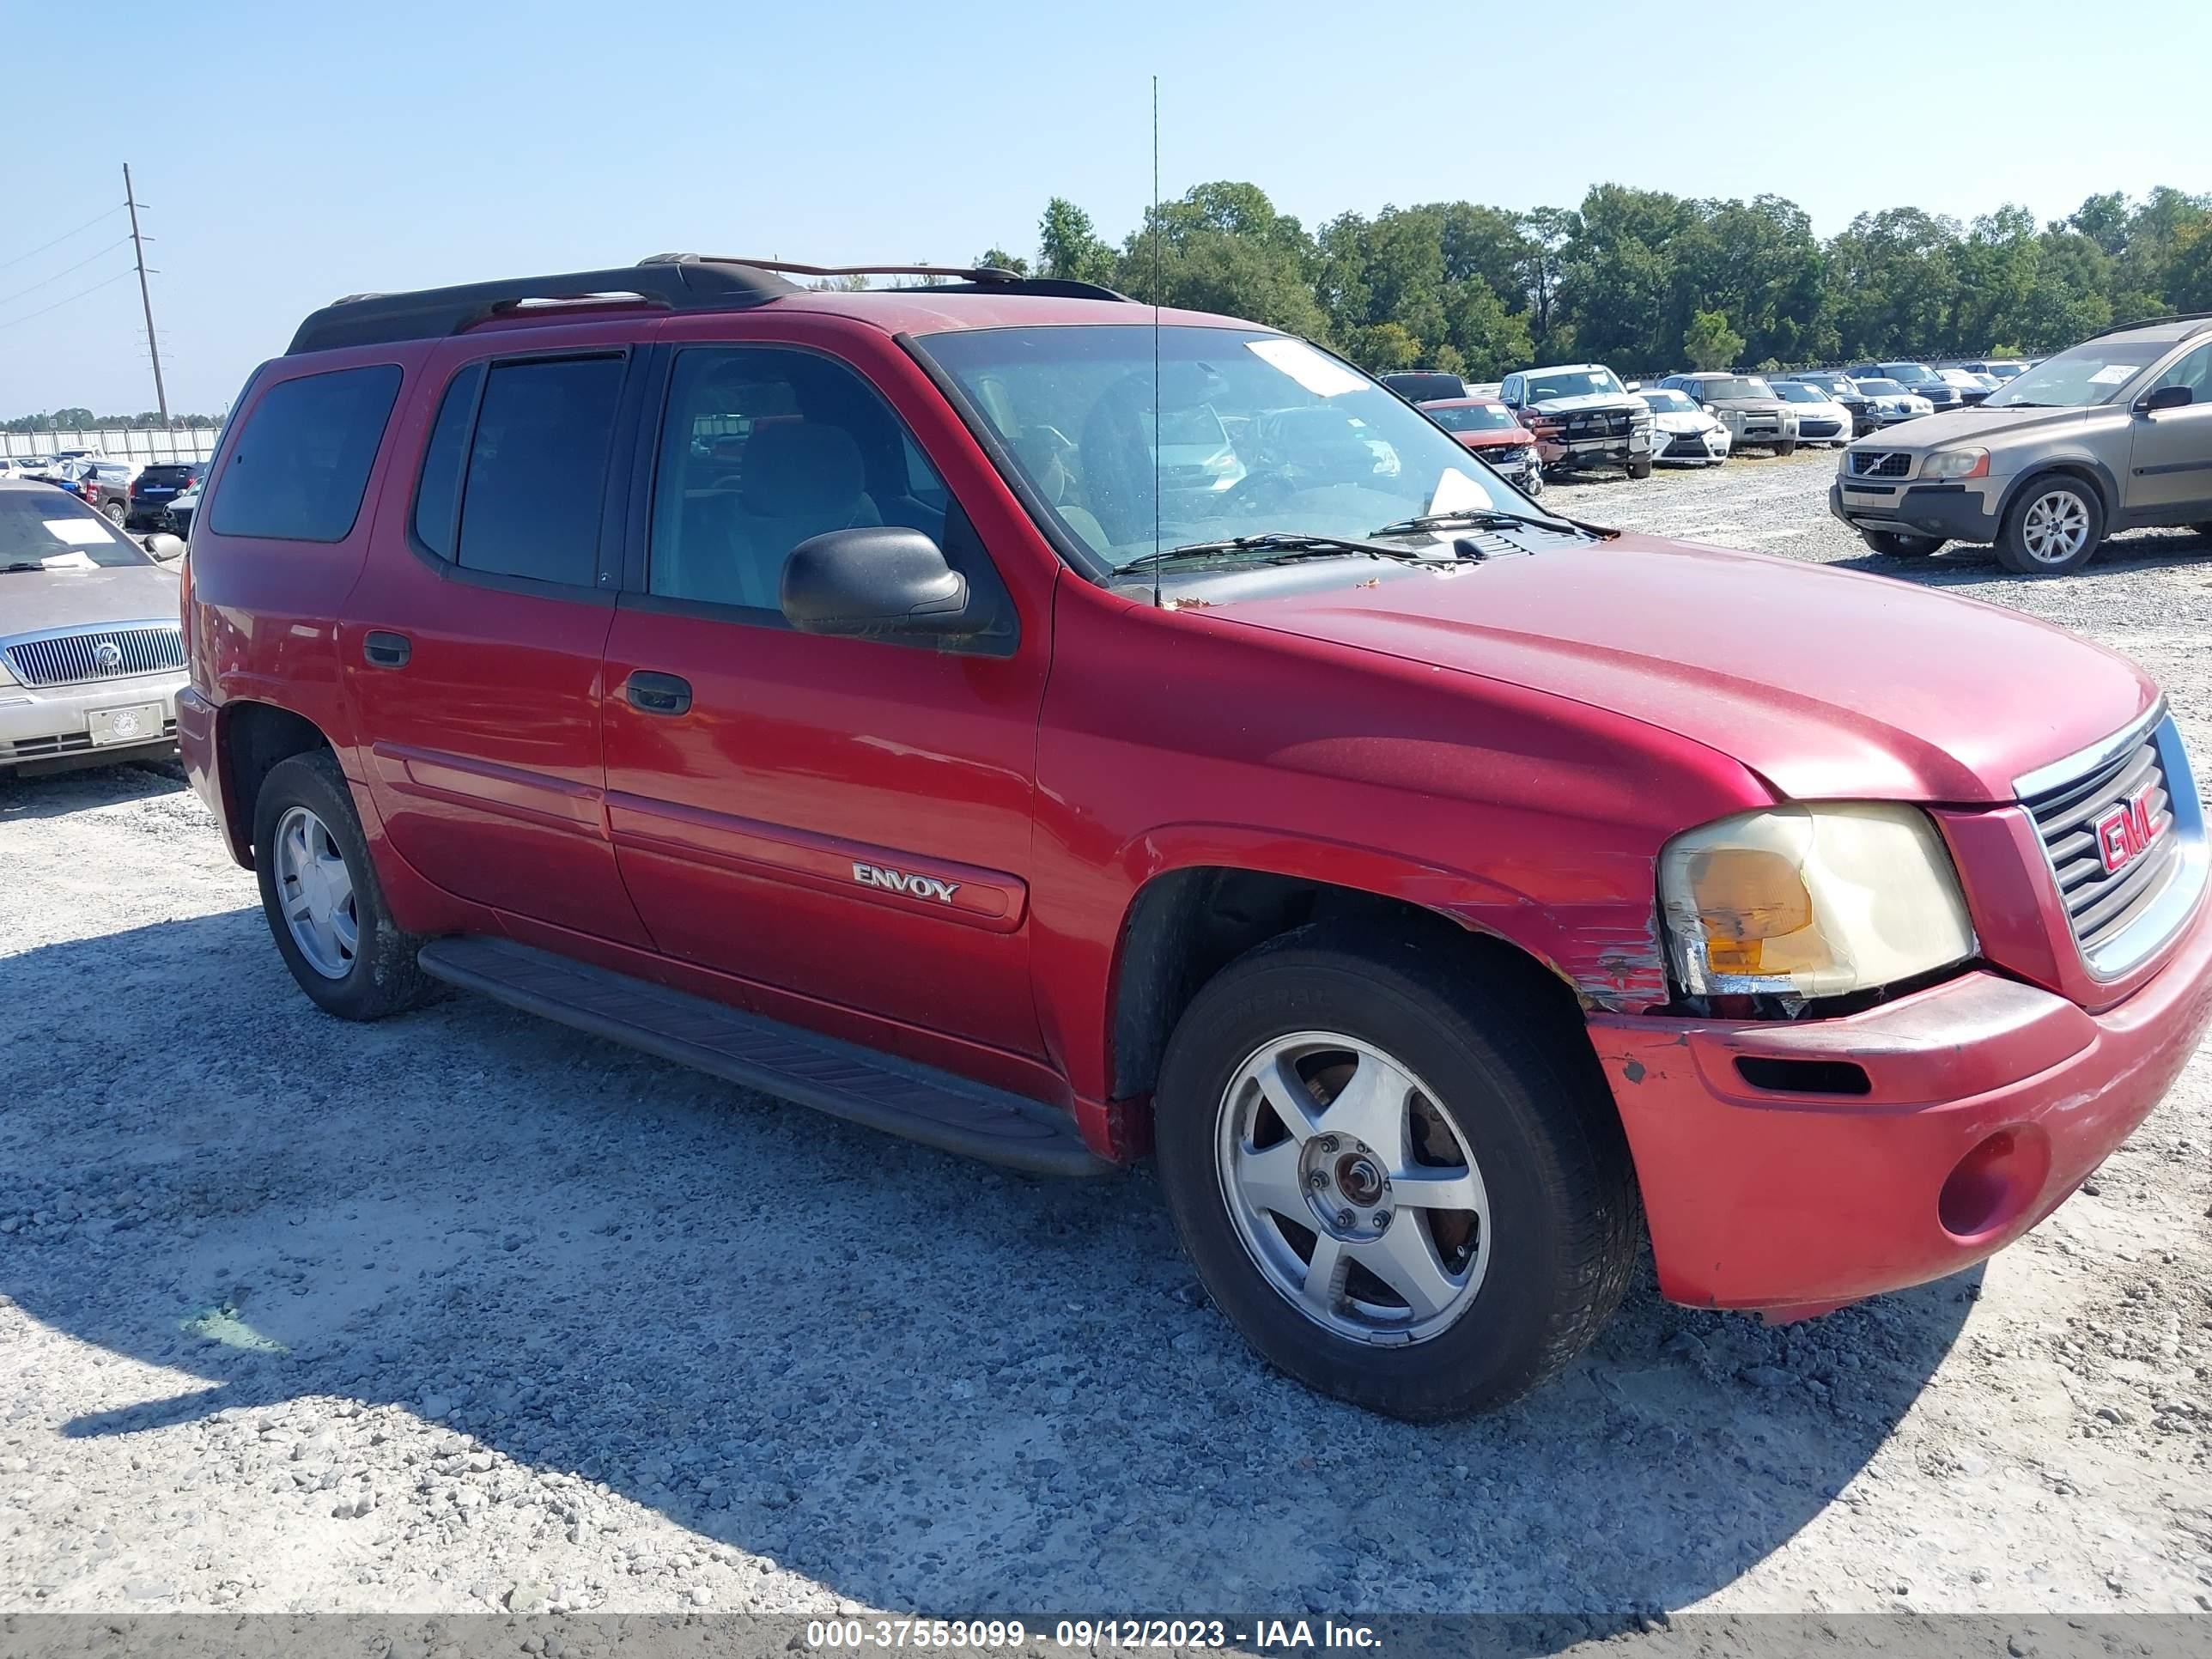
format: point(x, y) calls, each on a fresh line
point(2052, 528)
point(114, 514)
point(1896, 544)
point(1510, 1267)
point(366, 965)
point(1640, 469)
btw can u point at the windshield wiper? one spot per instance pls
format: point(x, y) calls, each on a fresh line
point(21, 564)
point(1275, 544)
point(1487, 518)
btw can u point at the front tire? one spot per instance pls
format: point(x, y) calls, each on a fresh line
point(1405, 1189)
point(1787, 446)
point(2052, 529)
point(319, 893)
point(1640, 469)
point(1896, 544)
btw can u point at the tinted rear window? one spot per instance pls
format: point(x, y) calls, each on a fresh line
point(537, 466)
point(164, 473)
point(301, 462)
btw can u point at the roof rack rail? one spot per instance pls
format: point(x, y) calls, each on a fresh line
point(361, 319)
point(969, 279)
point(2152, 322)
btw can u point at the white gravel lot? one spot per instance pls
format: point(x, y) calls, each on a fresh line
point(466, 1311)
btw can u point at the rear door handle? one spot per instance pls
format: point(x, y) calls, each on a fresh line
point(658, 694)
point(383, 650)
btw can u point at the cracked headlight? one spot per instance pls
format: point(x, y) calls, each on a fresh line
point(1811, 901)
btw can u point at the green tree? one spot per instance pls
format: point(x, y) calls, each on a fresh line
point(1004, 260)
point(1710, 342)
point(1068, 246)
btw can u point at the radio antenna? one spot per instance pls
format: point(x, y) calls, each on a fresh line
point(1156, 538)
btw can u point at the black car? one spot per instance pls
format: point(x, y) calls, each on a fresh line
point(1839, 386)
point(1917, 379)
point(1424, 386)
point(158, 485)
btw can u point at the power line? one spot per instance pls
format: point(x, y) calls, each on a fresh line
point(64, 237)
point(10, 299)
point(13, 321)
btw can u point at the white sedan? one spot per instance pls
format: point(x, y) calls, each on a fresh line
point(1890, 403)
point(1820, 418)
point(1682, 431)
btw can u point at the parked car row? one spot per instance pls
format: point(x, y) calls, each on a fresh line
point(1576, 416)
point(133, 495)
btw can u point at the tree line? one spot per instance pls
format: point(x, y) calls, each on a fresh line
point(83, 420)
point(1647, 281)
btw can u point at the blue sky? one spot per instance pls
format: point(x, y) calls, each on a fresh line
point(300, 152)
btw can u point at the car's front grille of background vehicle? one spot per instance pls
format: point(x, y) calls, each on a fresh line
point(1600, 424)
point(1877, 463)
point(69, 658)
point(2102, 904)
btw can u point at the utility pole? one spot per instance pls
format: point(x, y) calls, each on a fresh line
point(145, 297)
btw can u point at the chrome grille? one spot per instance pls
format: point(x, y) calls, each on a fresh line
point(2119, 916)
point(99, 654)
point(1879, 463)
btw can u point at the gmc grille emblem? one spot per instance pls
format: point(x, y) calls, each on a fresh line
point(898, 881)
point(2125, 833)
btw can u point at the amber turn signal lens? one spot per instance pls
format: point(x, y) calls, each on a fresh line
point(1746, 896)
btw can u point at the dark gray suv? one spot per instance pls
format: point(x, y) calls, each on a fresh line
point(2114, 434)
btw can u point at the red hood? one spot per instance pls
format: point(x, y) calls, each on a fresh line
point(1498, 440)
point(1829, 683)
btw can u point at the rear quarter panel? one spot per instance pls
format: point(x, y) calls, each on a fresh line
point(262, 615)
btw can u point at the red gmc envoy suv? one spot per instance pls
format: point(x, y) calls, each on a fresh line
point(1056, 731)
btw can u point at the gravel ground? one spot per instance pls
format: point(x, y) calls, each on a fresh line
point(466, 1311)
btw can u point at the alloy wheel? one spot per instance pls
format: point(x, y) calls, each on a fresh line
point(315, 893)
point(1352, 1191)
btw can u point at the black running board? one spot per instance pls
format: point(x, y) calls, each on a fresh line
point(842, 1079)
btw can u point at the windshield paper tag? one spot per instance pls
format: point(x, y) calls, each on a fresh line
point(2113, 373)
point(1456, 493)
point(68, 561)
point(77, 533)
point(1318, 373)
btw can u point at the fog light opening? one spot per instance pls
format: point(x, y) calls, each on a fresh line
point(1992, 1184)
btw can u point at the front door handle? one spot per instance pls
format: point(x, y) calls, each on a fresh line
point(383, 650)
point(657, 694)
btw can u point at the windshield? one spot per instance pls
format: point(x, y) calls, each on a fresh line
point(1883, 389)
point(1913, 374)
point(2005, 371)
point(1663, 401)
point(1571, 383)
point(2094, 372)
point(1470, 417)
point(1307, 444)
point(1731, 387)
point(45, 529)
point(1792, 392)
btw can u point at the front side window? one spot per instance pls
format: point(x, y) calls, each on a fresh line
point(2094, 372)
point(2194, 371)
point(300, 463)
point(1256, 432)
point(537, 469)
point(763, 447)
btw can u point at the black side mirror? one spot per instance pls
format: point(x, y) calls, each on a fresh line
point(2167, 397)
point(165, 547)
point(878, 580)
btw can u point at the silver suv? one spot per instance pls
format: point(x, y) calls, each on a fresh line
point(2115, 434)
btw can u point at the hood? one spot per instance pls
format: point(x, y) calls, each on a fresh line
point(1682, 420)
point(1584, 400)
point(32, 601)
point(1978, 423)
point(1498, 439)
point(1831, 684)
point(1754, 405)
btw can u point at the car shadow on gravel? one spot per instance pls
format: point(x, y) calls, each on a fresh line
point(2124, 555)
point(58, 794)
point(918, 1381)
